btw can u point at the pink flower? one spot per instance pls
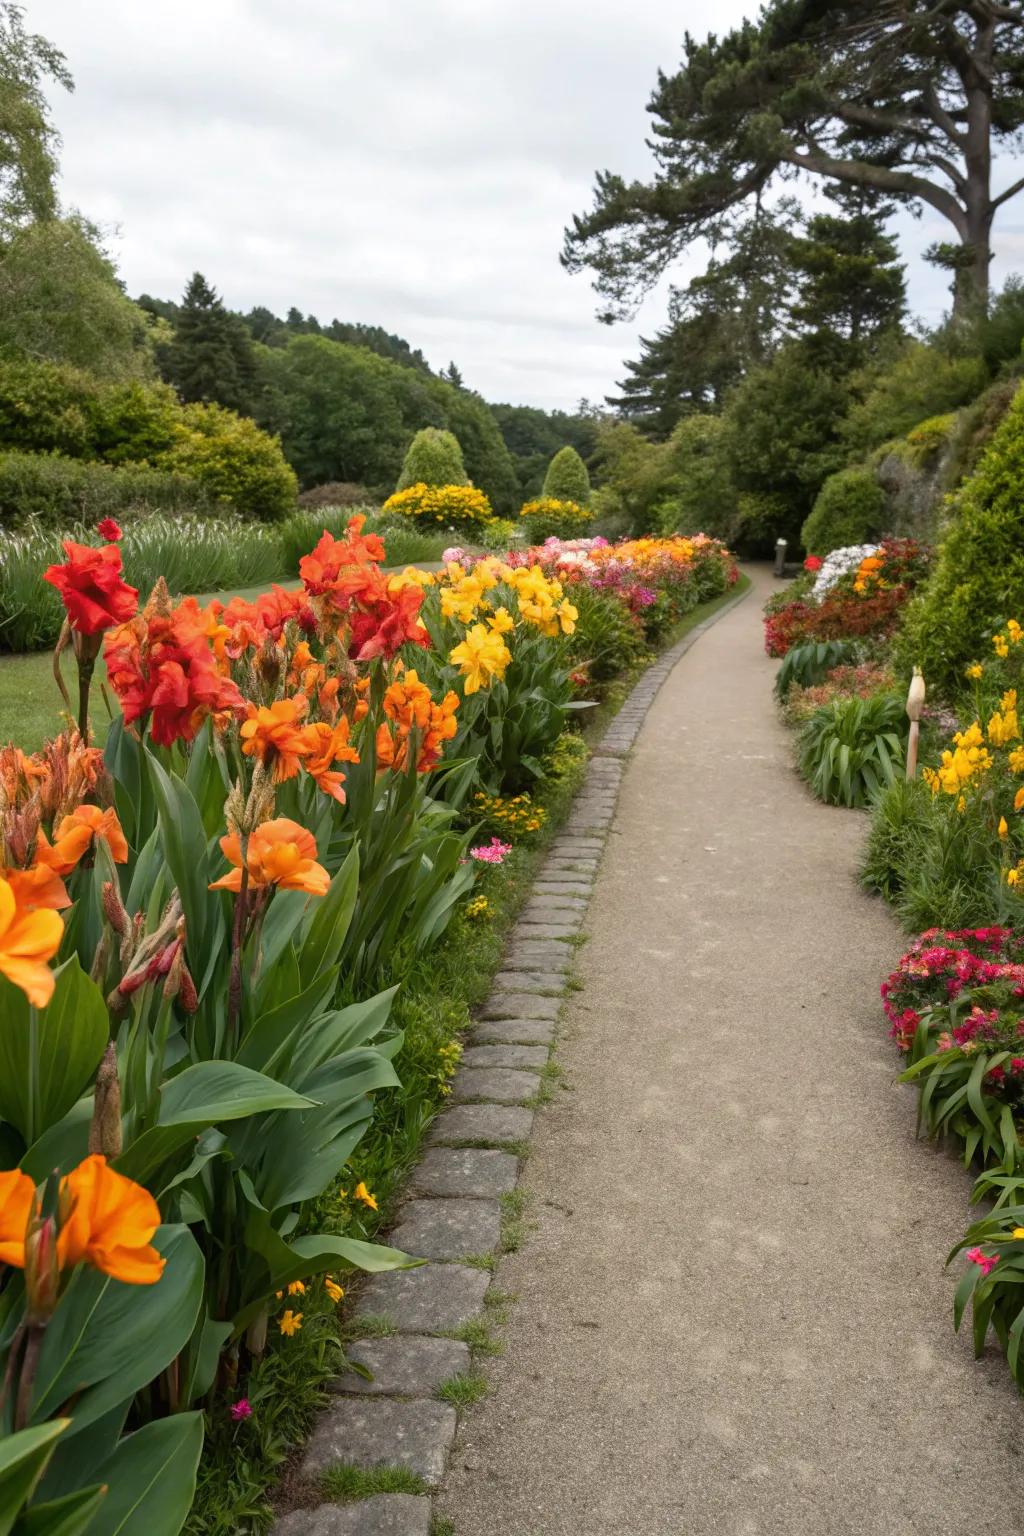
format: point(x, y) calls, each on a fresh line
point(241, 1410)
point(494, 852)
point(984, 1261)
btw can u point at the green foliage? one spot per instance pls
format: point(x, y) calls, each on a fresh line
point(900, 819)
point(698, 494)
point(805, 665)
point(780, 437)
point(344, 1483)
point(210, 357)
point(849, 509)
point(850, 287)
point(432, 458)
point(567, 478)
point(607, 640)
point(54, 408)
point(723, 323)
point(239, 465)
point(921, 382)
point(28, 139)
point(852, 748)
point(61, 302)
point(532, 436)
point(978, 579)
point(46, 489)
point(345, 414)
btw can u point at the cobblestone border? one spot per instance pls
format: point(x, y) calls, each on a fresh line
point(452, 1210)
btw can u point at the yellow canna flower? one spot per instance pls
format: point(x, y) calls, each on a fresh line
point(362, 1193)
point(1003, 829)
point(296, 1288)
point(1017, 1232)
point(333, 1289)
point(975, 669)
point(290, 1322)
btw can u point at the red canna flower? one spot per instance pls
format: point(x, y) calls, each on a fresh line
point(91, 587)
point(108, 530)
point(389, 624)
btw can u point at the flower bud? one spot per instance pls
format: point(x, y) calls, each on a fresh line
point(114, 909)
point(42, 1271)
point(105, 1130)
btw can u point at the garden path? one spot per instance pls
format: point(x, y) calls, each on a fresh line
point(733, 1315)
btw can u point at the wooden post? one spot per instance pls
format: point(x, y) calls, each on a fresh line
point(915, 704)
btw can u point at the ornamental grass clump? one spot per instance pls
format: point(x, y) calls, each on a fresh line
point(852, 748)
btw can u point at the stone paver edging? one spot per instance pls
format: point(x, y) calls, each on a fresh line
point(452, 1216)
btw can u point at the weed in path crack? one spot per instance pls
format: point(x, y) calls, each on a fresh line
point(478, 1335)
point(344, 1483)
point(372, 1326)
point(439, 1526)
point(514, 1225)
point(464, 1390)
point(479, 1261)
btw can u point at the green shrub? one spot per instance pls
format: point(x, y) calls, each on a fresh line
point(49, 408)
point(46, 488)
point(978, 579)
point(607, 640)
point(949, 877)
point(805, 665)
point(924, 381)
point(852, 748)
point(548, 518)
point(849, 509)
point(459, 507)
point(929, 438)
point(238, 464)
point(567, 478)
point(336, 493)
point(432, 458)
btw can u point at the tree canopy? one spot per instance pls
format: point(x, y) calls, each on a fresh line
point(210, 358)
point(905, 97)
point(28, 139)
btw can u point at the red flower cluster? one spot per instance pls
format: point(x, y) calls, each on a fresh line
point(344, 575)
point(813, 563)
point(94, 595)
point(162, 664)
point(941, 965)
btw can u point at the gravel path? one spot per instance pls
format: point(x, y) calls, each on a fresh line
point(733, 1315)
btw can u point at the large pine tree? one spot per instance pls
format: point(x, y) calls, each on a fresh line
point(908, 98)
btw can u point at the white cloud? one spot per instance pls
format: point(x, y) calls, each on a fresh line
point(406, 163)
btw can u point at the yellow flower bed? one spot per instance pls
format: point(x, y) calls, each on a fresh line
point(442, 504)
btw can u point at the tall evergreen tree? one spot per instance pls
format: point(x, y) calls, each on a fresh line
point(211, 357)
point(850, 287)
point(723, 323)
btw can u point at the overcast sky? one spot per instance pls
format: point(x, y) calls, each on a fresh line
point(405, 163)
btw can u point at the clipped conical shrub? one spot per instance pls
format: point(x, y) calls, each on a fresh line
point(567, 478)
point(433, 458)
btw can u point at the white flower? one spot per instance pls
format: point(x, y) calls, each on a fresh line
point(837, 564)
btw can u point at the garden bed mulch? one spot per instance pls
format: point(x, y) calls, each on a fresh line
point(422, 1324)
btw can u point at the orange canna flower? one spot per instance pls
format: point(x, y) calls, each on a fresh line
point(279, 853)
point(37, 889)
point(30, 936)
point(110, 1225)
point(327, 744)
point(274, 734)
point(17, 1193)
point(76, 833)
